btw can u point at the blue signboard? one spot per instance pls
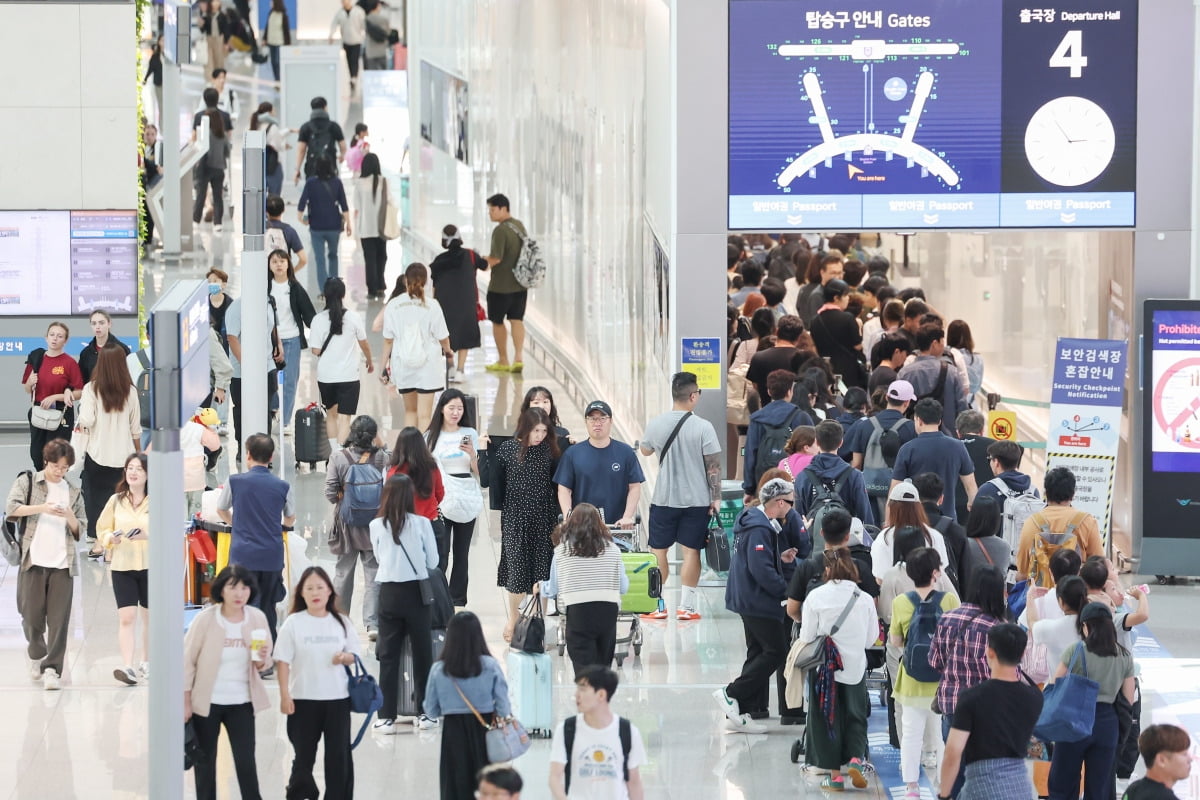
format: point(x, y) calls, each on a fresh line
point(931, 114)
point(703, 358)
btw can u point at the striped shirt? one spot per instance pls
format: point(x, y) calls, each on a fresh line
point(959, 651)
point(588, 580)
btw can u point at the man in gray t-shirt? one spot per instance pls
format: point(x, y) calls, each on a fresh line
point(688, 489)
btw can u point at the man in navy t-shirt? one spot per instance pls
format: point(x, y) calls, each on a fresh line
point(601, 471)
point(933, 451)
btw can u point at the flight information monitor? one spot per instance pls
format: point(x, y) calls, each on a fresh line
point(932, 114)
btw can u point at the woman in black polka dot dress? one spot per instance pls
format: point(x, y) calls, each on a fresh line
point(529, 507)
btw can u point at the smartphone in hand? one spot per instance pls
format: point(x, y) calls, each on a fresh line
point(136, 533)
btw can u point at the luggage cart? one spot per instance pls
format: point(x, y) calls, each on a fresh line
point(628, 541)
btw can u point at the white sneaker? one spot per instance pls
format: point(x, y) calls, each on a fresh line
point(456, 376)
point(424, 723)
point(288, 430)
point(929, 759)
point(50, 680)
point(743, 724)
point(35, 669)
point(729, 706)
point(385, 727)
point(217, 228)
point(372, 635)
point(126, 675)
point(144, 670)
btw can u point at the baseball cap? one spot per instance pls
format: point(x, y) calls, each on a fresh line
point(904, 492)
point(1095, 611)
point(598, 405)
point(901, 390)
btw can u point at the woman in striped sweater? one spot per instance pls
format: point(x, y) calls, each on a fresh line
point(588, 578)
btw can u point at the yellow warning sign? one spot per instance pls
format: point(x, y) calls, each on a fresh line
point(1002, 425)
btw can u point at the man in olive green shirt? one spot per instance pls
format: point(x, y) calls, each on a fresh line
point(505, 296)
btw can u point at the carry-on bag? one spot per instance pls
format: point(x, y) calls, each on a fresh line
point(311, 440)
point(529, 687)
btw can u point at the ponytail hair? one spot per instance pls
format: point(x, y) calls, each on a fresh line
point(840, 566)
point(414, 281)
point(335, 296)
point(216, 125)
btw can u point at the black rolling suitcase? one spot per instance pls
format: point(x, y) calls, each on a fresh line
point(311, 441)
point(407, 702)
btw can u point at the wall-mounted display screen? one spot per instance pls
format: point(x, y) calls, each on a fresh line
point(931, 114)
point(63, 263)
point(444, 111)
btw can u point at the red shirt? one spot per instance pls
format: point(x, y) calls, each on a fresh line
point(57, 374)
point(425, 506)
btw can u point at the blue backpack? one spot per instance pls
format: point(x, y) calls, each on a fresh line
point(361, 491)
point(926, 614)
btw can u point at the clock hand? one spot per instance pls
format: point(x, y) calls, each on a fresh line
point(1063, 131)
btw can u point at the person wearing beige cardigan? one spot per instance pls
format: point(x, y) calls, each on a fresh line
point(225, 652)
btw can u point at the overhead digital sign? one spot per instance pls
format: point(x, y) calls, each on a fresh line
point(933, 114)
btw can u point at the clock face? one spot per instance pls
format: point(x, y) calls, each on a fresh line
point(1070, 141)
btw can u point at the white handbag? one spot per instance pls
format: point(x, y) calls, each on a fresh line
point(463, 501)
point(48, 419)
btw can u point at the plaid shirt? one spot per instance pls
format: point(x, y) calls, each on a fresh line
point(959, 651)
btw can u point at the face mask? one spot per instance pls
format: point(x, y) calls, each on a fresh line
point(214, 288)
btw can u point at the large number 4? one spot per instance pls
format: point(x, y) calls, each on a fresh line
point(1069, 54)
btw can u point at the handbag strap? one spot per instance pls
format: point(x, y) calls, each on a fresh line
point(845, 612)
point(671, 439)
point(403, 549)
point(985, 552)
point(474, 711)
point(1081, 654)
point(533, 607)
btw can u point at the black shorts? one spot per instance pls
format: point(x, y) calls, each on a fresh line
point(510, 305)
point(131, 587)
point(687, 526)
point(343, 395)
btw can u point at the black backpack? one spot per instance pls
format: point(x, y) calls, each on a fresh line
point(771, 445)
point(939, 388)
point(826, 496)
point(322, 143)
point(624, 731)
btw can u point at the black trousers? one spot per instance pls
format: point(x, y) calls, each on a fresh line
point(204, 178)
point(313, 721)
point(97, 485)
point(235, 394)
point(459, 534)
point(766, 649)
point(401, 614)
point(353, 58)
point(441, 534)
point(270, 589)
point(591, 634)
point(239, 727)
point(38, 437)
point(375, 260)
point(464, 753)
point(762, 701)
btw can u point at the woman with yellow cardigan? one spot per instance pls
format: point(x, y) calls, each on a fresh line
point(123, 532)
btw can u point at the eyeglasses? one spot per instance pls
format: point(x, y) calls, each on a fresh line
point(594, 420)
point(789, 502)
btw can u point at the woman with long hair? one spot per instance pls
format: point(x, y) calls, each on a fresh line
point(958, 337)
point(294, 312)
point(1102, 659)
point(762, 325)
point(210, 172)
point(338, 335)
point(541, 397)
point(411, 457)
point(315, 643)
point(124, 528)
point(801, 448)
point(454, 442)
point(904, 510)
point(263, 119)
point(415, 326)
point(406, 550)
point(278, 33)
point(53, 381)
point(836, 735)
point(587, 578)
point(523, 486)
point(323, 208)
point(101, 322)
point(1061, 633)
point(984, 547)
point(467, 691)
point(225, 652)
point(352, 543)
point(454, 272)
point(110, 414)
point(370, 196)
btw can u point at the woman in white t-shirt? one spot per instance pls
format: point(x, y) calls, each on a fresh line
point(337, 333)
point(414, 333)
point(316, 643)
point(453, 441)
point(293, 313)
point(222, 678)
point(903, 510)
point(1057, 635)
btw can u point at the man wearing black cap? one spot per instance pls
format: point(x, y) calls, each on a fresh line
point(601, 471)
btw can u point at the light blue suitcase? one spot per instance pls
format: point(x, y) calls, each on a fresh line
point(529, 686)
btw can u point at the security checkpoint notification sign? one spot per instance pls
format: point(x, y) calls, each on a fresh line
point(1085, 419)
point(702, 357)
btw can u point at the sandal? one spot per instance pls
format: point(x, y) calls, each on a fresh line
point(833, 784)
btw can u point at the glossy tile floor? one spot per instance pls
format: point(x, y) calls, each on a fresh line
point(89, 740)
